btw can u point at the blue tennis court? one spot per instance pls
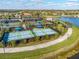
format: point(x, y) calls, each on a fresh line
point(27, 34)
point(42, 32)
point(38, 32)
point(18, 35)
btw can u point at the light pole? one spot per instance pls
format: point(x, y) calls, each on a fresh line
point(4, 48)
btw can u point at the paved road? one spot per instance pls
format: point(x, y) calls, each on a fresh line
point(34, 47)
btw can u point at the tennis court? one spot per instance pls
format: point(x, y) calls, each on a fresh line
point(27, 34)
point(42, 32)
point(18, 35)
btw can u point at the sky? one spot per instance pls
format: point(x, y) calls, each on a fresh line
point(40, 4)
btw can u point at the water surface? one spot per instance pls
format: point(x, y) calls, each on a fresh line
point(74, 21)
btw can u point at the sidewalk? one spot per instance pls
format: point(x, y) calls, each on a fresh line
point(34, 47)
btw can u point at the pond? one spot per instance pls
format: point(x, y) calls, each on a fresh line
point(74, 21)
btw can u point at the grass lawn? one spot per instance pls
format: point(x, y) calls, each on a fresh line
point(38, 53)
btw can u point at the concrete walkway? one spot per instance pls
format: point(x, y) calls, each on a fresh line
point(34, 47)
